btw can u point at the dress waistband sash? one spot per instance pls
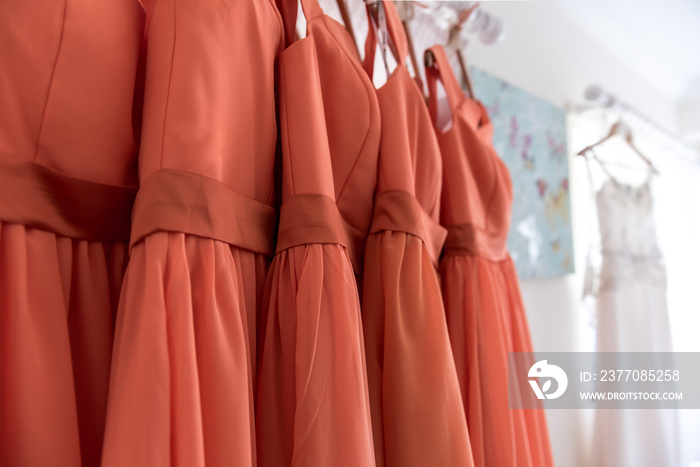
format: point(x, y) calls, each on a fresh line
point(37, 196)
point(471, 240)
point(315, 218)
point(176, 201)
point(401, 212)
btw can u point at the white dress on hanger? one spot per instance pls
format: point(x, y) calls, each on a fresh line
point(632, 316)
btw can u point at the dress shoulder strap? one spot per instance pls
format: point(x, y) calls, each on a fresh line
point(441, 70)
point(397, 36)
point(289, 10)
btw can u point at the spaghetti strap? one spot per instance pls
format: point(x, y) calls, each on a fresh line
point(311, 9)
point(289, 10)
point(441, 70)
point(396, 34)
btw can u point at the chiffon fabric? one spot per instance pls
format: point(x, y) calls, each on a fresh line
point(313, 402)
point(485, 313)
point(69, 84)
point(417, 412)
point(184, 366)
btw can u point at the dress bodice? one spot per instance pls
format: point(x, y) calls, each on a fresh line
point(207, 116)
point(352, 120)
point(330, 123)
point(209, 134)
point(477, 192)
point(409, 170)
point(70, 94)
point(329, 130)
point(69, 87)
point(625, 215)
point(629, 247)
point(409, 158)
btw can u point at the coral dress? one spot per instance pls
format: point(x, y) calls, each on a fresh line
point(485, 314)
point(68, 147)
point(313, 401)
point(184, 369)
point(417, 411)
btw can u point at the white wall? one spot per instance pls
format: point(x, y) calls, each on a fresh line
point(689, 120)
point(546, 53)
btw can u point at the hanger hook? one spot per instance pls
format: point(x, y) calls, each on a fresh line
point(455, 38)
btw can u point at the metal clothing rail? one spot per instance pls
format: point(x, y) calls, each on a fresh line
point(597, 97)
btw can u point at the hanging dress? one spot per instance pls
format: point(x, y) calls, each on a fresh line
point(184, 369)
point(313, 402)
point(69, 92)
point(632, 316)
point(485, 313)
point(417, 411)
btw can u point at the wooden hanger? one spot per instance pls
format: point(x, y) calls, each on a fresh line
point(466, 77)
point(464, 15)
point(620, 129)
point(454, 44)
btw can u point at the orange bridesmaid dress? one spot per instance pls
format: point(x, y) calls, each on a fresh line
point(68, 139)
point(313, 401)
point(184, 368)
point(485, 313)
point(417, 411)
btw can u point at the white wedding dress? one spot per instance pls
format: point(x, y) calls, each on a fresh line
point(630, 291)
